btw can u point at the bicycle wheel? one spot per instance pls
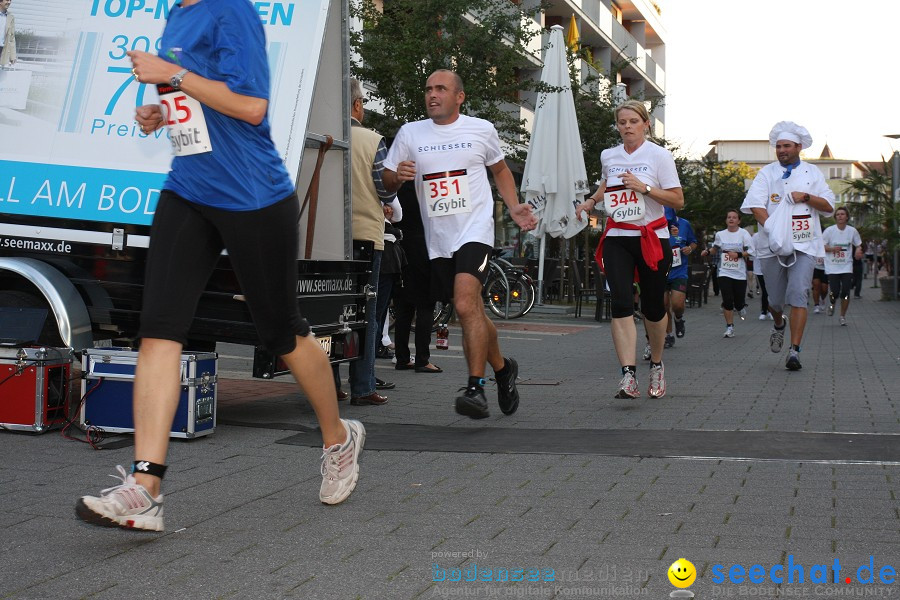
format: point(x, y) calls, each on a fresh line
point(521, 295)
point(442, 313)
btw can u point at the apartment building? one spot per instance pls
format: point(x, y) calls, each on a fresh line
point(627, 42)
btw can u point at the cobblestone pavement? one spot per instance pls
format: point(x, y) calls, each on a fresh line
point(243, 518)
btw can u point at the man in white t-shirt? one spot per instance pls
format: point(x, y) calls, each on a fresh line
point(841, 242)
point(447, 156)
point(800, 187)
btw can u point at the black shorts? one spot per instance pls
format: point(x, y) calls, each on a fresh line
point(820, 275)
point(186, 241)
point(679, 284)
point(471, 258)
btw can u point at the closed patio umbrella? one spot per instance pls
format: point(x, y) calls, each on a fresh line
point(555, 180)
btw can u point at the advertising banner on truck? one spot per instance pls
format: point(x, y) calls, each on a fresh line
point(74, 151)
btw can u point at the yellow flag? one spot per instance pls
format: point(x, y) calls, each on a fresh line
point(572, 35)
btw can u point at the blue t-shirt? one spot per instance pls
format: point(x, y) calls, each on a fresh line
point(223, 40)
point(684, 238)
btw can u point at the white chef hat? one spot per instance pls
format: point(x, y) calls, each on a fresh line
point(788, 130)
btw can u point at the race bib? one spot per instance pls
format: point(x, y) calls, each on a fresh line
point(841, 257)
point(676, 257)
point(184, 118)
point(623, 205)
point(447, 193)
point(731, 264)
point(801, 228)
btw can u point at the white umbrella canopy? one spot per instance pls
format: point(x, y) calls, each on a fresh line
point(555, 180)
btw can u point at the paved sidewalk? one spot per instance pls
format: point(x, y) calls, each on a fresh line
point(244, 521)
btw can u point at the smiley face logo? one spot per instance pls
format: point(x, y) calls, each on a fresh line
point(682, 573)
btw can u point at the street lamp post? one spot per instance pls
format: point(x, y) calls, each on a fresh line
point(895, 198)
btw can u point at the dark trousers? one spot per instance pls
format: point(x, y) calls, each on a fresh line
point(404, 310)
point(764, 298)
point(857, 277)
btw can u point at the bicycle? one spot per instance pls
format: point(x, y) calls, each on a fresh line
point(508, 291)
point(503, 277)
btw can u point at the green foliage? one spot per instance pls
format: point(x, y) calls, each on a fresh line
point(876, 216)
point(711, 189)
point(399, 48)
point(595, 111)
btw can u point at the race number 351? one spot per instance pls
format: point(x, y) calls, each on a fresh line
point(447, 192)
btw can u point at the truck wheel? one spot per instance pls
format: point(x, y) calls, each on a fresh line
point(49, 335)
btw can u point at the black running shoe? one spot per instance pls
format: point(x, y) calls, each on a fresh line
point(507, 394)
point(679, 328)
point(472, 403)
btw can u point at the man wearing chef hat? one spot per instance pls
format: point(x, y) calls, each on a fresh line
point(799, 188)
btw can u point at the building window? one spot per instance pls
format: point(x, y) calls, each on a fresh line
point(616, 12)
point(836, 172)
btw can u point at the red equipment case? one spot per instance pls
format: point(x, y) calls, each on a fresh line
point(34, 387)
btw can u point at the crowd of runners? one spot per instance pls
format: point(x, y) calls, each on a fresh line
point(446, 157)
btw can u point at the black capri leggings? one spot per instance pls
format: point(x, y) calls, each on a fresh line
point(840, 284)
point(734, 292)
point(186, 242)
point(621, 256)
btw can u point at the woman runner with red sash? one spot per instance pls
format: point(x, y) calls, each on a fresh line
point(639, 179)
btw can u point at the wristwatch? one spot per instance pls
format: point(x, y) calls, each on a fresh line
point(648, 189)
point(806, 197)
point(178, 77)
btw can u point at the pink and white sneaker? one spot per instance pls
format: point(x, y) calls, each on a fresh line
point(657, 381)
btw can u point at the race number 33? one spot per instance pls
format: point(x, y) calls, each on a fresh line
point(447, 193)
point(622, 204)
point(184, 118)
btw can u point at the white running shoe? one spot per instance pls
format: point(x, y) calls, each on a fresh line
point(843, 322)
point(340, 464)
point(729, 331)
point(657, 382)
point(762, 316)
point(128, 505)
point(776, 338)
point(743, 313)
point(628, 387)
point(817, 309)
point(646, 354)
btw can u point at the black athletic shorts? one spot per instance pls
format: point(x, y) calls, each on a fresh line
point(186, 241)
point(820, 275)
point(471, 258)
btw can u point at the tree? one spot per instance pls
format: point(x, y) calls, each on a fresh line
point(876, 215)
point(711, 189)
point(484, 41)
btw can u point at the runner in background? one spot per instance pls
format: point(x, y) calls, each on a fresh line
point(841, 241)
point(819, 286)
point(731, 245)
point(760, 279)
point(684, 243)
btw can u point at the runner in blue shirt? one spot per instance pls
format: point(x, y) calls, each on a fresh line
point(227, 190)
